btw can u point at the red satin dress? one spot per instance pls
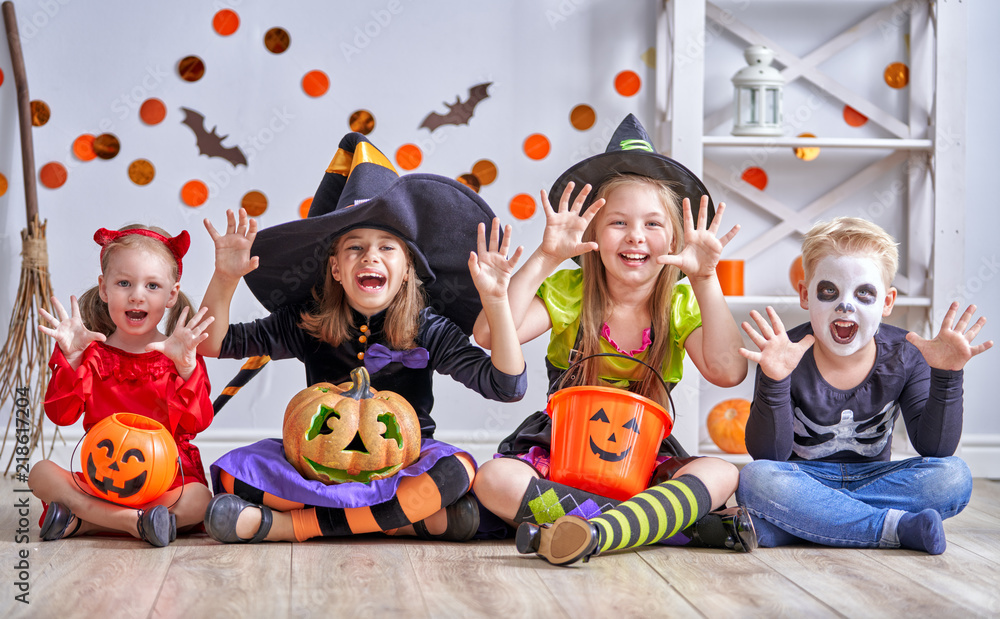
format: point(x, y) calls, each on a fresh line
point(110, 380)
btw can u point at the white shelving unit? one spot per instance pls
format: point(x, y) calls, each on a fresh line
point(933, 162)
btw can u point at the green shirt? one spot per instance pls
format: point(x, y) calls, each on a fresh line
point(562, 293)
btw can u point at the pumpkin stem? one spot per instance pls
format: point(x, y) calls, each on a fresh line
point(361, 382)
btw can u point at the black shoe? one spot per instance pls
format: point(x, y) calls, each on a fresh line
point(527, 537)
point(730, 528)
point(173, 527)
point(741, 531)
point(156, 526)
point(57, 519)
point(565, 541)
point(224, 511)
point(463, 521)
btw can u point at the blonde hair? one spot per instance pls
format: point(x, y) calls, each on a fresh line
point(845, 236)
point(330, 319)
point(596, 305)
point(93, 309)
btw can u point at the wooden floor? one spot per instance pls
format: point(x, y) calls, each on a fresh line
point(196, 577)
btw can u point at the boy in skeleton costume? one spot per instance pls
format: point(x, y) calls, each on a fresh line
point(828, 393)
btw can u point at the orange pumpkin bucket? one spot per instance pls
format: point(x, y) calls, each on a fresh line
point(604, 439)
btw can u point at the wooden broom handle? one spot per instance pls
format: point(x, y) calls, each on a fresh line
point(23, 111)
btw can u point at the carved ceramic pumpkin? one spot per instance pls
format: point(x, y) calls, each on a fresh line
point(350, 432)
point(129, 459)
point(727, 425)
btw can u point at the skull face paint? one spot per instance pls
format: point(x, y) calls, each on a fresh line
point(846, 299)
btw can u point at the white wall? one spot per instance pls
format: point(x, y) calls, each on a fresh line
point(94, 62)
point(982, 258)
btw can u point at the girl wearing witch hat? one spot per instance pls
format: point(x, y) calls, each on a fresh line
point(633, 238)
point(346, 287)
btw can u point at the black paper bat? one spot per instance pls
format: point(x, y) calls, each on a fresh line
point(459, 112)
point(210, 143)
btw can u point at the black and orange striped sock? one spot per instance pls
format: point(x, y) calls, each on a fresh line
point(416, 498)
point(654, 514)
point(249, 493)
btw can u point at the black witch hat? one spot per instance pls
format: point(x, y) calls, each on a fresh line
point(434, 215)
point(631, 151)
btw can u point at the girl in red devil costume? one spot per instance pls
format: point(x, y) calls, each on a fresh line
point(111, 357)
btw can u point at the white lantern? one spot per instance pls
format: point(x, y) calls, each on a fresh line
point(757, 95)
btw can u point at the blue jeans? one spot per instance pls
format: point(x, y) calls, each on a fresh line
point(849, 505)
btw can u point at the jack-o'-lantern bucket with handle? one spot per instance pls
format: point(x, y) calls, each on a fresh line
point(605, 439)
point(129, 459)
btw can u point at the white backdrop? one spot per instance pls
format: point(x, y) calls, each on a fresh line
point(94, 63)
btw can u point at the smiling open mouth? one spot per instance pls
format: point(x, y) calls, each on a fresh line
point(371, 281)
point(633, 258)
point(843, 332)
point(128, 488)
point(608, 456)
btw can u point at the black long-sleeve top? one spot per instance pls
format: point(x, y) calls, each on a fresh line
point(804, 418)
point(279, 336)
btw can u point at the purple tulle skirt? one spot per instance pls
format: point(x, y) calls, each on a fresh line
point(263, 466)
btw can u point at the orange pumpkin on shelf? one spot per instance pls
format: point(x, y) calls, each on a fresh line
point(796, 273)
point(727, 425)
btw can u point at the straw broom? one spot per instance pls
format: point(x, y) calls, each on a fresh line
point(24, 372)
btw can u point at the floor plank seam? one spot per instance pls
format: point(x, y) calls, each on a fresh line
point(537, 574)
point(760, 557)
point(413, 570)
point(670, 585)
point(976, 550)
point(983, 512)
point(491, 579)
point(55, 554)
point(291, 579)
point(159, 589)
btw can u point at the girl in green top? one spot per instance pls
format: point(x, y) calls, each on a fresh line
point(633, 241)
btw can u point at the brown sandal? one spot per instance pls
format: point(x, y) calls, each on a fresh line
point(567, 540)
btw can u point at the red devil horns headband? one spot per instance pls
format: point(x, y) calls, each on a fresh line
point(177, 245)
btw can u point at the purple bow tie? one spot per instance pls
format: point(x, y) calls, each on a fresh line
point(378, 356)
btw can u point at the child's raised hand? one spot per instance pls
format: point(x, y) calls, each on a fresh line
point(232, 250)
point(952, 348)
point(564, 226)
point(490, 268)
point(68, 330)
point(702, 248)
point(778, 355)
point(182, 345)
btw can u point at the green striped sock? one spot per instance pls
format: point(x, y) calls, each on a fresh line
point(654, 514)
